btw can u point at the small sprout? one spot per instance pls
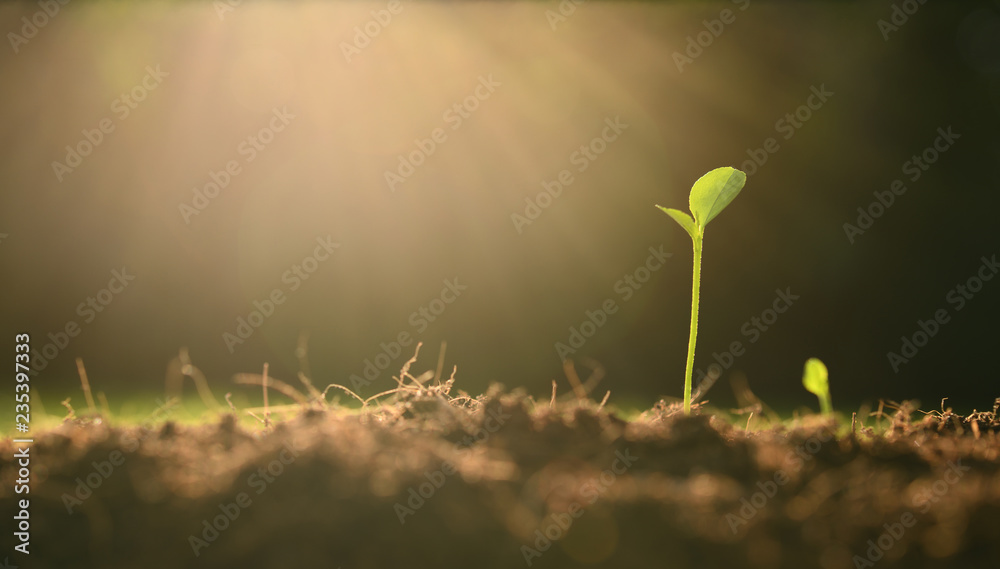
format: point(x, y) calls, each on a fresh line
point(709, 196)
point(815, 380)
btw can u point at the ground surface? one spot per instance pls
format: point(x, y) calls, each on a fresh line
point(502, 481)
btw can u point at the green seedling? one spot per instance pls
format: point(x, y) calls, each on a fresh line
point(709, 196)
point(815, 378)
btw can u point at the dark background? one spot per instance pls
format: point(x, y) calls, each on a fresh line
point(324, 175)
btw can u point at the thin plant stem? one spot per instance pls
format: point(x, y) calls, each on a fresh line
point(824, 406)
point(693, 338)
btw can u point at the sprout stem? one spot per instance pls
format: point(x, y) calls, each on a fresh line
point(824, 406)
point(693, 338)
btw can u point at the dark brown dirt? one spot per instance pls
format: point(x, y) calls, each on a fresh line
point(688, 491)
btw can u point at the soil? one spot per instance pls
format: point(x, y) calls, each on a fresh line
point(504, 481)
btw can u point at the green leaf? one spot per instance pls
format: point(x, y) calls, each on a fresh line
point(713, 192)
point(815, 378)
point(683, 219)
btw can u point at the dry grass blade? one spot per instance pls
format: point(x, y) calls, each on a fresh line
point(187, 369)
point(590, 384)
point(91, 408)
point(440, 366)
point(316, 395)
point(255, 379)
point(420, 379)
point(72, 413)
point(377, 395)
point(229, 400)
point(286, 389)
point(746, 398)
point(174, 381)
point(267, 414)
point(346, 390)
point(574, 380)
point(302, 352)
point(255, 416)
point(878, 415)
point(705, 384)
point(403, 373)
point(105, 408)
point(596, 374)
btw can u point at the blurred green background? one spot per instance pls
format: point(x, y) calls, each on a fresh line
point(310, 105)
